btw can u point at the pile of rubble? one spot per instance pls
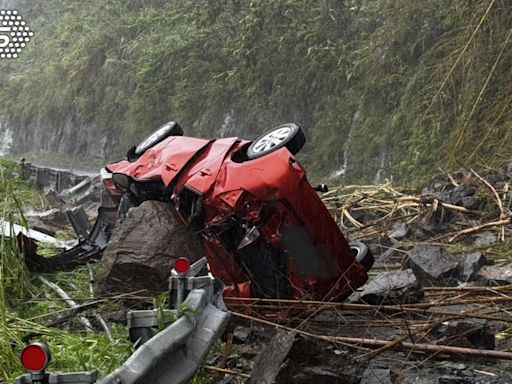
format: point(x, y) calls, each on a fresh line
point(436, 308)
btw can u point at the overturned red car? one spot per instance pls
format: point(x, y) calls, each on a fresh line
point(266, 232)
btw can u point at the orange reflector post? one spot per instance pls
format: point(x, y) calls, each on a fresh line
point(35, 357)
point(182, 266)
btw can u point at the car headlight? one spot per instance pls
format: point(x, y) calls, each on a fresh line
point(104, 174)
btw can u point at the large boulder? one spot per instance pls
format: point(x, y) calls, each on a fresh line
point(143, 249)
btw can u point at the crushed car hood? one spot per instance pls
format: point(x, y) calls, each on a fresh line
point(163, 161)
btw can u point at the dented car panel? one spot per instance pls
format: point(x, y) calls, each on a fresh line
point(162, 162)
point(266, 231)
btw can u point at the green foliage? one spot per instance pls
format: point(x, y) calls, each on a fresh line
point(26, 305)
point(15, 192)
point(427, 79)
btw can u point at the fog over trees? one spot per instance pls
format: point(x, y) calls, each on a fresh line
point(392, 87)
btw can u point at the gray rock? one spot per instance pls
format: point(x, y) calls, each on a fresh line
point(314, 361)
point(484, 239)
point(470, 202)
point(241, 334)
point(399, 230)
point(496, 177)
point(400, 286)
point(376, 376)
point(496, 275)
point(459, 192)
point(432, 265)
point(453, 380)
point(469, 333)
point(53, 218)
point(392, 255)
point(469, 265)
point(143, 249)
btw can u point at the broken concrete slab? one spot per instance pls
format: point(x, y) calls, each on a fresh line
point(393, 287)
point(469, 265)
point(433, 265)
point(143, 249)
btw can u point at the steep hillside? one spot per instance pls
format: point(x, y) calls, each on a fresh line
point(382, 87)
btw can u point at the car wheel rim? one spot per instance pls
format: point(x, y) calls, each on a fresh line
point(153, 138)
point(272, 140)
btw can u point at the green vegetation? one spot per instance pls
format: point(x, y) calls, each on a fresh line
point(422, 84)
point(27, 306)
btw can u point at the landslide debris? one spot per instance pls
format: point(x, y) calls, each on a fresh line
point(143, 249)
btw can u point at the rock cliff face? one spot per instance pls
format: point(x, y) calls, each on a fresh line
point(76, 138)
point(70, 137)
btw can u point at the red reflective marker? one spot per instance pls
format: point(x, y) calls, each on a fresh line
point(35, 357)
point(182, 266)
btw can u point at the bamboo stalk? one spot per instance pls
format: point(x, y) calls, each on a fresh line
point(69, 301)
point(478, 228)
point(226, 371)
point(354, 342)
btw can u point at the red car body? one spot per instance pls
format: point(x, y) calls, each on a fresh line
point(265, 229)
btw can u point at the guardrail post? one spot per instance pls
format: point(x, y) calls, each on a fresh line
point(25, 170)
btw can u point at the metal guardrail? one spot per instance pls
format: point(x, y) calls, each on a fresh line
point(176, 353)
point(47, 178)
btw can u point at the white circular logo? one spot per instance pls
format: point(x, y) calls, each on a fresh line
point(14, 34)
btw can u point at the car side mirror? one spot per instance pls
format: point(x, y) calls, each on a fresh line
point(122, 180)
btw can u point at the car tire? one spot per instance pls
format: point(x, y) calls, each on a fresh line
point(362, 254)
point(288, 135)
point(168, 129)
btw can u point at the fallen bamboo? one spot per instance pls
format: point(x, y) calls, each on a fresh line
point(226, 371)
point(354, 342)
point(478, 228)
point(422, 309)
point(69, 301)
point(98, 316)
point(504, 212)
point(434, 348)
